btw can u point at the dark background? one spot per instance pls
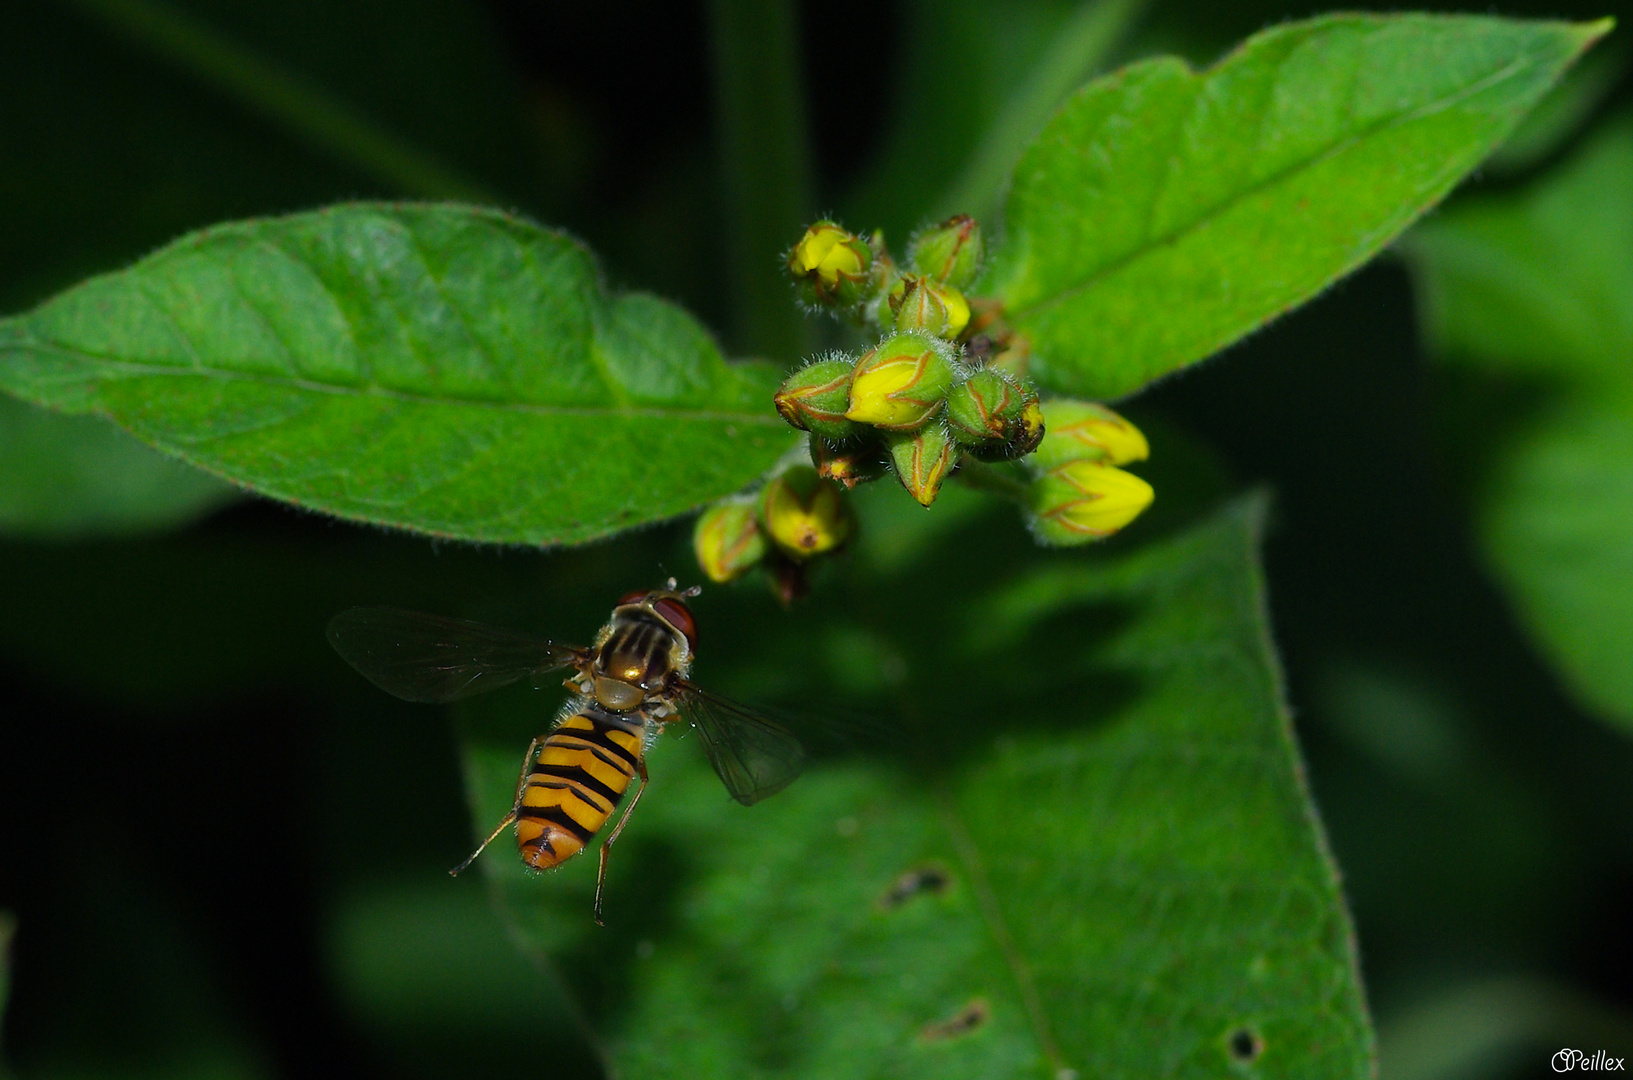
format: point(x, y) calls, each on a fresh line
point(193, 792)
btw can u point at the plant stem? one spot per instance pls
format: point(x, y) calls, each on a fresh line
point(285, 98)
point(997, 479)
point(764, 165)
point(1080, 48)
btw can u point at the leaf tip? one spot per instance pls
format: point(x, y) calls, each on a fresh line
point(1590, 33)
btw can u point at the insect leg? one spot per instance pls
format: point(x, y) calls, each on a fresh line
point(601, 875)
point(515, 808)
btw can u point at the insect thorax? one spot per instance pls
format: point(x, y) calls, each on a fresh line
point(634, 657)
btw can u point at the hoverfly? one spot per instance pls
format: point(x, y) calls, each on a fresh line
point(630, 684)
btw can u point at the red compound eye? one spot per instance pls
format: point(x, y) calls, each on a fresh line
point(632, 597)
point(679, 616)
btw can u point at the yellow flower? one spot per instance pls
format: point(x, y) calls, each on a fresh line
point(1085, 500)
point(1083, 430)
point(831, 265)
point(728, 541)
point(901, 383)
point(804, 514)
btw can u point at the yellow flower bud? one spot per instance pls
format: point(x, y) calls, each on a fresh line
point(901, 383)
point(848, 463)
point(922, 460)
point(728, 540)
point(831, 265)
point(932, 307)
point(1085, 431)
point(1084, 500)
point(804, 514)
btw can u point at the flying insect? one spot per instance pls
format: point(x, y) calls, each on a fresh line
point(630, 684)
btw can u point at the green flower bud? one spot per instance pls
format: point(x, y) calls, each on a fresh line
point(922, 460)
point(922, 304)
point(1084, 500)
point(901, 382)
point(848, 464)
point(997, 413)
point(815, 397)
point(1086, 431)
point(728, 540)
point(950, 253)
point(831, 266)
point(804, 514)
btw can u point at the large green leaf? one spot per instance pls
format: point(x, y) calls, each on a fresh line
point(1164, 213)
point(438, 368)
point(76, 476)
point(1100, 771)
point(1538, 286)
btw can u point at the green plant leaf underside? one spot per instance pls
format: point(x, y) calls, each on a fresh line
point(1535, 290)
point(1134, 883)
point(438, 368)
point(1164, 213)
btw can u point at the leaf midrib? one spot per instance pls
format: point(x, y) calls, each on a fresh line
point(1509, 70)
point(136, 368)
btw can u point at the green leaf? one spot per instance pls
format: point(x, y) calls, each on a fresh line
point(1539, 283)
point(79, 476)
point(1556, 519)
point(1164, 213)
point(1565, 109)
point(1537, 287)
point(1100, 770)
point(438, 368)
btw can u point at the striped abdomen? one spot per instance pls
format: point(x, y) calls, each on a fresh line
point(582, 770)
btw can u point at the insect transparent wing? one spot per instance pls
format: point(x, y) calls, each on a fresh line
point(754, 756)
point(421, 657)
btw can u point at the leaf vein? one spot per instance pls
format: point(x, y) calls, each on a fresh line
point(134, 368)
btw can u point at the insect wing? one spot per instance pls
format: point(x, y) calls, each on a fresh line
point(754, 756)
point(421, 657)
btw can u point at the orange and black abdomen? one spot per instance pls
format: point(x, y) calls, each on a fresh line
point(583, 769)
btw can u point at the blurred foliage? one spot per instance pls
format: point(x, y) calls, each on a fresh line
point(262, 891)
point(1529, 296)
point(81, 476)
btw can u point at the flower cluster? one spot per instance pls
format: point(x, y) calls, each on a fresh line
point(918, 399)
point(941, 388)
point(944, 386)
